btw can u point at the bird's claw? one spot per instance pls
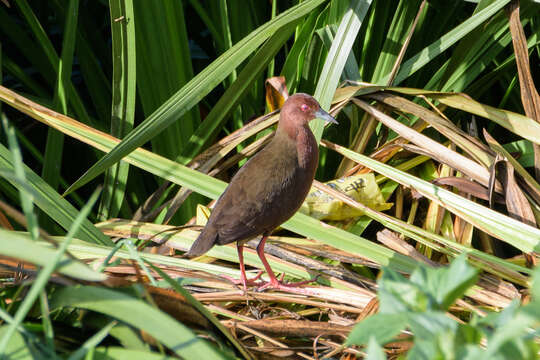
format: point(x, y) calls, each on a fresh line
point(249, 282)
point(280, 285)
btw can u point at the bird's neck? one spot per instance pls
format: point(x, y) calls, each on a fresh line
point(301, 140)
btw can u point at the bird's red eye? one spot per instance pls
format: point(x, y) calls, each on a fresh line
point(304, 107)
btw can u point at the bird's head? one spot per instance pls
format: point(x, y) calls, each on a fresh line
point(299, 109)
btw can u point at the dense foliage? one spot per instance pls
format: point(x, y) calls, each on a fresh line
point(436, 98)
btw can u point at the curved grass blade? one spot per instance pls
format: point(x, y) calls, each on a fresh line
point(20, 176)
point(180, 339)
point(19, 245)
point(200, 307)
point(92, 342)
point(55, 140)
point(234, 93)
point(114, 352)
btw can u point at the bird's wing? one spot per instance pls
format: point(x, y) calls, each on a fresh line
point(251, 204)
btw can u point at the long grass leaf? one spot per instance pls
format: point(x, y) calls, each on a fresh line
point(18, 170)
point(234, 94)
point(123, 100)
point(200, 307)
point(55, 139)
point(522, 236)
point(177, 337)
point(337, 58)
point(92, 342)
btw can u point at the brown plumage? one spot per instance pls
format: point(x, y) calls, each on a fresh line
point(270, 187)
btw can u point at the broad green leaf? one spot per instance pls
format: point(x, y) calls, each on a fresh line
point(114, 353)
point(20, 246)
point(434, 335)
point(399, 295)
point(446, 284)
point(374, 350)
point(382, 327)
point(177, 337)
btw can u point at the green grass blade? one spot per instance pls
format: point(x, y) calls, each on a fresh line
point(55, 139)
point(522, 236)
point(18, 170)
point(17, 347)
point(200, 307)
point(337, 57)
point(123, 94)
point(167, 40)
point(416, 62)
point(50, 54)
point(113, 352)
point(217, 116)
point(395, 37)
point(211, 187)
point(92, 342)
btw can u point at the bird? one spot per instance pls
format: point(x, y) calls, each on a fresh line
point(268, 189)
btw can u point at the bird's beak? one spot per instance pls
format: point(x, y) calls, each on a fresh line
point(321, 114)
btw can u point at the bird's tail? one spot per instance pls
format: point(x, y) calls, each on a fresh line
point(204, 242)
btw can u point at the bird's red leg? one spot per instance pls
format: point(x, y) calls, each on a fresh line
point(243, 278)
point(274, 283)
point(260, 251)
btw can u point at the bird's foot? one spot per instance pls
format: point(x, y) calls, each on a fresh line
point(276, 284)
point(254, 281)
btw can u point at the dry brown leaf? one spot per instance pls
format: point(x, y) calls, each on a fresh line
point(297, 328)
point(468, 187)
point(516, 203)
point(276, 92)
point(444, 155)
point(529, 95)
point(472, 146)
point(394, 242)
